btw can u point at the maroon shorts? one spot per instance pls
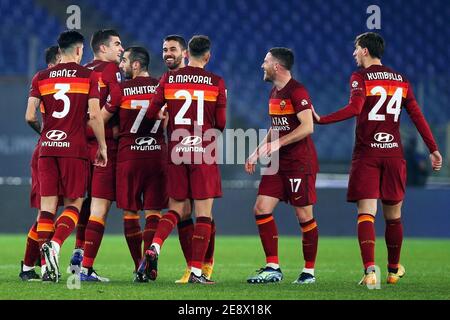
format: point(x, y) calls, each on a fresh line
point(298, 189)
point(141, 184)
point(193, 181)
point(103, 179)
point(377, 178)
point(63, 176)
point(35, 198)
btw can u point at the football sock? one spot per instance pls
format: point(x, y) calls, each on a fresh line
point(310, 234)
point(165, 227)
point(209, 256)
point(308, 270)
point(65, 224)
point(93, 238)
point(394, 238)
point(32, 247)
point(200, 241)
point(185, 232)
point(151, 224)
point(133, 235)
point(82, 223)
point(366, 238)
point(45, 227)
point(269, 236)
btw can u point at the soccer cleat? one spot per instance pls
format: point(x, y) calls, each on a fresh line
point(266, 275)
point(89, 274)
point(139, 277)
point(29, 275)
point(75, 260)
point(369, 279)
point(151, 266)
point(207, 270)
point(46, 277)
point(393, 278)
point(305, 278)
point(185, 277)
point(51, 261)
point(202, 279)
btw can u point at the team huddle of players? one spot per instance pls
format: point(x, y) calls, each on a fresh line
point(106, 137)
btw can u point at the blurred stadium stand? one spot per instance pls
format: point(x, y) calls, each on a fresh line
point(321, 34)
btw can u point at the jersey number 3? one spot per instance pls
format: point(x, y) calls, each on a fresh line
point(62, 88)
point(393, 106)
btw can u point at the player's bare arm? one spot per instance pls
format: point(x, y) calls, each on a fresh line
point(31, 114)
point(106, 115)
point(96, 123)
point(305, 128)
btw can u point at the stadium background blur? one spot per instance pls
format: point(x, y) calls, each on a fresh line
point(321, 34)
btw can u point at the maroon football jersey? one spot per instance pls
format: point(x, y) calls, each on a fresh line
point(110, 94)
point(284, 105)
point(383, 93)
point(139, 137)
point(193, 96)
point(64, 90)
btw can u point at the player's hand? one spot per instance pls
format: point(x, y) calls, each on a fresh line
point(315, 115)
point(101, 157)
point(436, 160)
point(250, 164)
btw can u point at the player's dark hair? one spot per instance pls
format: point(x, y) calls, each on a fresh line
point(373, 42)
point(102, 37)
point(68, 39)
point(285, 56)
point(199, 45)
point(50, 54)
point(139, 54)
point(177, 38)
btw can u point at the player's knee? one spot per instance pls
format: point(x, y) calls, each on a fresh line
point(260, 208)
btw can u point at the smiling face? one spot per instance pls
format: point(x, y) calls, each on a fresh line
point(125, 65)
point(173, 54)
point(269, 67)
point(113, 50)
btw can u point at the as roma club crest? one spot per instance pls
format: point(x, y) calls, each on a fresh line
point(282, 104)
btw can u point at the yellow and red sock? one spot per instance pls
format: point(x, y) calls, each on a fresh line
point(394, 239)
point(310, 235)
point(200, 241)
point(269, 236)
point(209, 256)
point(366, 238)
point(94, 234)
point(133, 235)
point(65, 224)
point(32, 248)
point(82, 223)
point(151, 224)
point(165, 226)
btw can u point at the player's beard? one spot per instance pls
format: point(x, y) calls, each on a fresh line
point(175, 64)
point(267, 76)
point(128, 73)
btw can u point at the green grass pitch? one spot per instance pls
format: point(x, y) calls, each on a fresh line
point(338, 270)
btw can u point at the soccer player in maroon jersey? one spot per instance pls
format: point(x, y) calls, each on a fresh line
point(68, 92)
point(196, 103)
point(107, 49)
point(378, 170)
point(174, 54)
point(290, 110)
point(32, 253)
point(142, 155)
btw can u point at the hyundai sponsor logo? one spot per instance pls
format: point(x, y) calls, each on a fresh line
point(145, 144)
point(383, 137)
point(191, 141)
point(56, 135)
point(189, 144)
